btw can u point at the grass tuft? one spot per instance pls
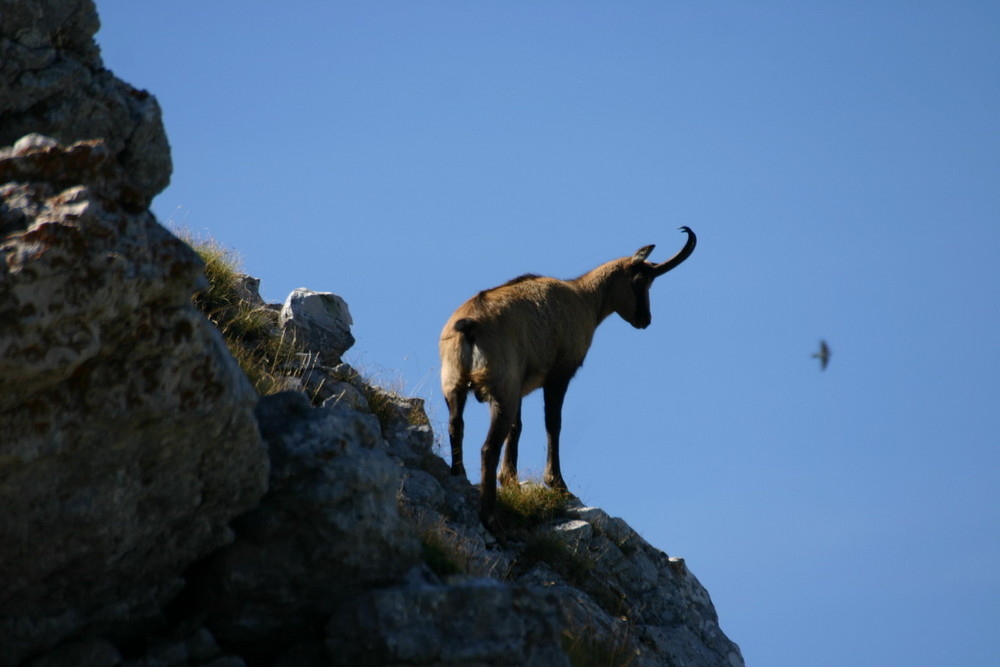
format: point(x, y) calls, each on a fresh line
point(267, 355)
point(222, 269)
point(531, 504)
point(443, 552)
point(251, 332)
point(388, 403)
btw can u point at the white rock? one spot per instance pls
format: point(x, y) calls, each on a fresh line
point(574, 531)
point(320, 322)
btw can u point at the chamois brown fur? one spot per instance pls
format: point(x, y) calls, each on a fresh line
point(534, 332)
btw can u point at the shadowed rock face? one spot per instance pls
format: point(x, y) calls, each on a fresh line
point(327, 529)
point(127, 437)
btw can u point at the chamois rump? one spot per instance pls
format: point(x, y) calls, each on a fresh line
point(533, 332)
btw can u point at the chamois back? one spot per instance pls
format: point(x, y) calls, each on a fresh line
point(517, 332)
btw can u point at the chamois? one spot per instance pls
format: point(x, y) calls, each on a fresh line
point(533, 332)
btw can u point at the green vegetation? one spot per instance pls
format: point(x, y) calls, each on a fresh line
point(251, 333)
point(530, 505)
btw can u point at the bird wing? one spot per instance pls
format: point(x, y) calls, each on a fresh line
point(824, 354)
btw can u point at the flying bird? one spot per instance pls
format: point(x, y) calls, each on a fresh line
point(823, 355)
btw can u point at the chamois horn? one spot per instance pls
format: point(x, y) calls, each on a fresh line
point(660, 269)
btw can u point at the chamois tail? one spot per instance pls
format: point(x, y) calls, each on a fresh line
point(470, 355)
point(467, 327)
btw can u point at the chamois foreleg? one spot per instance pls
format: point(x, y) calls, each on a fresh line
point(554, 392)
point(456, 427)
point(502, 419)
point(508, 469)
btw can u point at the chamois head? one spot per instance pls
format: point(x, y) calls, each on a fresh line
point(630, 294)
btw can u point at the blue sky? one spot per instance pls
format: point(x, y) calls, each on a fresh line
point(840, 163)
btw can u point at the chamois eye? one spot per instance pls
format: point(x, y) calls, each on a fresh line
point(639, 280)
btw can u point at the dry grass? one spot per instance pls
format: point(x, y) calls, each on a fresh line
point(265, 354)
point(530, 504)
point(586, 648)
point(251, 333)
point(444, 551)
point(387, 400)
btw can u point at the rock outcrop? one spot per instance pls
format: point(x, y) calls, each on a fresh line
point(128, 440)
point(127, 437)
point(327, 530)
point(366, 551)
point(319, 321)
point(157, 512)
point(53, 82)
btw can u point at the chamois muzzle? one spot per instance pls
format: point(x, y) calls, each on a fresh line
point(684, 253)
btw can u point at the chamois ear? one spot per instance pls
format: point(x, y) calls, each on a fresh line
point(642, 253)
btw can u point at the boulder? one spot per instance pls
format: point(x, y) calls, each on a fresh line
point(477, 622)
point(327, 529)
point(129, 440)
point(319, 322)
point(53, 82)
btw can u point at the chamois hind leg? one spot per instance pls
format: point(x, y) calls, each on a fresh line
point(508, 469)
point(501, 420)
point(554, 391)
point(455, 399)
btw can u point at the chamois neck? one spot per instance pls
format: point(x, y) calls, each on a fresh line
point(595, 286)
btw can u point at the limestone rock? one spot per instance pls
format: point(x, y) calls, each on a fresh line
point(327, 528)
point(481, 622)
point(123, 415)
point(248, 289)
point(671, 619)
point(53, 82)
point(319, 322)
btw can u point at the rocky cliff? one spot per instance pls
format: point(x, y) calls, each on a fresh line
point(157, 511)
